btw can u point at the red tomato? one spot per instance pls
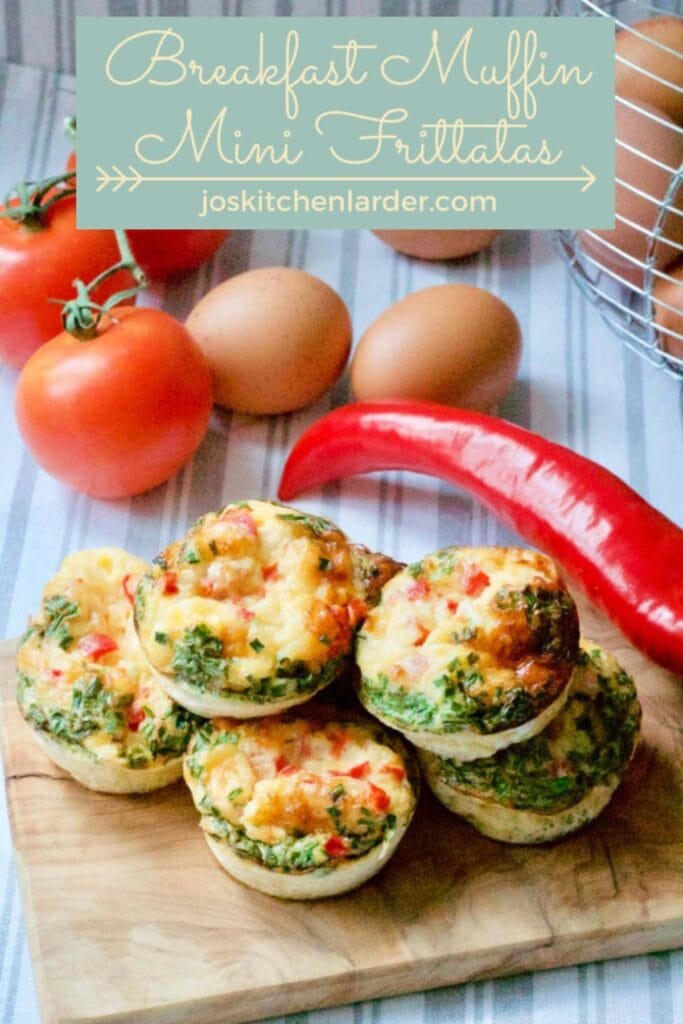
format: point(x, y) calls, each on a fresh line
point(120, 413)
point(164, 253)
point(37, 265)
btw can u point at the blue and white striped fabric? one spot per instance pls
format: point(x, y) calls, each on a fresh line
point(578, 385)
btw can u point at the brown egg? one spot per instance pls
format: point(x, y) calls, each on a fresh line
point(275, 338)
point(656, 142)
point(438, 245)
point(671, 293)
point(454, 344)
point(651, 55)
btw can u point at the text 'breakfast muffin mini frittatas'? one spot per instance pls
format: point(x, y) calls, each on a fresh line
point(562, 778)
point(86, 688)
point(301, 807)
point(470, 649)
point(255, 609)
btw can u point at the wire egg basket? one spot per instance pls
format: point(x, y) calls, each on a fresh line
point(638, 288)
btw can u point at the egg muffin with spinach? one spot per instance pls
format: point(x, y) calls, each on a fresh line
point(470, 649)
point(255, 610)
point(562, 778)
point(301, 807)
point(85, 686)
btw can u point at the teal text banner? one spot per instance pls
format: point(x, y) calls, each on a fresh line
point(345, 122)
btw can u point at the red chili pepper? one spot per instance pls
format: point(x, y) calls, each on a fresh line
point(379, 799)
point(359, 771)
point(395, 770)
point(135, 718)
point(452, 605)
point(304, 748)
point(281, 764)
point(474, 580)
point(127, 589)
point(242, 518)
point(270, 572)
point(336, 846)
point(422, 634)
point(418, 589)
point(170, 583)
point(625, 554)
point(96, 645)
point(338, 741)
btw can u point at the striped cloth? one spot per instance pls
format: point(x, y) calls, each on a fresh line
point(578, 385)
point(41, 32)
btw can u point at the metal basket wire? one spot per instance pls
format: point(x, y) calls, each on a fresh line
point(631, 306)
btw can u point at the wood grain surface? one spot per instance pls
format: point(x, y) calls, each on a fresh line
point(130, 919)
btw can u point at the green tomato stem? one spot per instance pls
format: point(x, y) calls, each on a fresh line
point(28, 201)
point(69, 128)
point(128, 259)
point(81, 315)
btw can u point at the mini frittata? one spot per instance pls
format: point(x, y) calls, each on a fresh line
point(84, 684)
point(470, 649)
point(553, 784)
point(301, 807)
point(255, 610)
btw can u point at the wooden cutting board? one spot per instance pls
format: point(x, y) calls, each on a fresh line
point(130, 918)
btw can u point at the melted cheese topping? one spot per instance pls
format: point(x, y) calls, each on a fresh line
point(469, 638)
point(297, 793)
point(255, 592)
point(82, 675)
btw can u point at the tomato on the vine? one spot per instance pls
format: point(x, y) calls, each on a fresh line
point(166, 252)
point(39, 261)
point(118, 413)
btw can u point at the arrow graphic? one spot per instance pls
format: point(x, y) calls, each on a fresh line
point(116, 178)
